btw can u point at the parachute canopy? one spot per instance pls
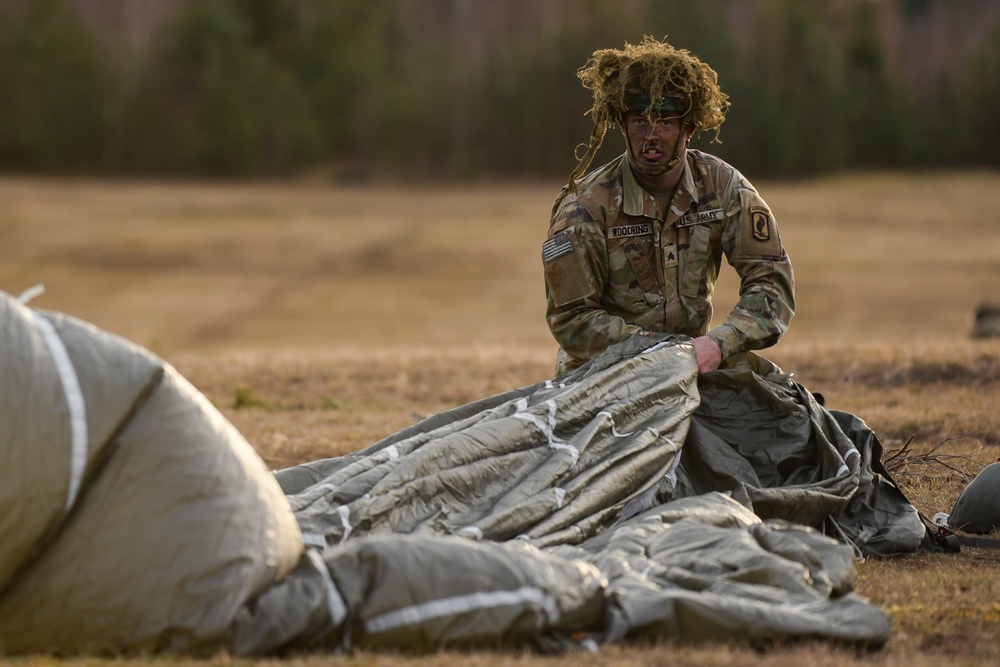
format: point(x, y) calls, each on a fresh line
point(631, 500)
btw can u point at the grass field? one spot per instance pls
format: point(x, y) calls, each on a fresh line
point(322, 319)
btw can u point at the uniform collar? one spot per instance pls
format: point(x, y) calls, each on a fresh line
point(638, 202)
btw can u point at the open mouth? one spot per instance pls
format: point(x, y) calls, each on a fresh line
point(651, 154)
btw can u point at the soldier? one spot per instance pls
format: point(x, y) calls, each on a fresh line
point(635, 246)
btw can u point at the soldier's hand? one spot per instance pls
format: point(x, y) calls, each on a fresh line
point(708, 352)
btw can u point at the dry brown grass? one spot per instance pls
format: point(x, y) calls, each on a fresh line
point(320, 320)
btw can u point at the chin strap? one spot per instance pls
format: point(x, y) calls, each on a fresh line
point(674, 161)
point(683, 137)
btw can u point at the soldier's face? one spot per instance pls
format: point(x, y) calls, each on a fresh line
point(652, 141)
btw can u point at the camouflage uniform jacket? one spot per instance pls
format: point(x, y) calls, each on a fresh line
point(617, 265)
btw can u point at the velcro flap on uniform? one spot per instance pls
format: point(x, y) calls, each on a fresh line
point(557, 246)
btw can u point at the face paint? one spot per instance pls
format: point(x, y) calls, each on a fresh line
point(656, 147)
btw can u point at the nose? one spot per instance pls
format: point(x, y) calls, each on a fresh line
point(660, 126)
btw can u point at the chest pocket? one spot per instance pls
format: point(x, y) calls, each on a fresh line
point(698, 262)
point(632, 263)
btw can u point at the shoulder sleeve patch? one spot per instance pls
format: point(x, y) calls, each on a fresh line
point(566, 276)
point(758, 233)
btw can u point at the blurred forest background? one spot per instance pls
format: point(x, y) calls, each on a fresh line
point(460, 89)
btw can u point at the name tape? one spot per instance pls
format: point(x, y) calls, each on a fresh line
point(630, 230)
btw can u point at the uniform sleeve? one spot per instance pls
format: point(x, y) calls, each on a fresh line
point(575, 262)
point(767, 286)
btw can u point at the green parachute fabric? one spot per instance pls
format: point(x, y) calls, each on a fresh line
point(133, 516)
point(699, 500)
point(631, 500)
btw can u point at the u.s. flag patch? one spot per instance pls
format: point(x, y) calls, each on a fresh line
point(557, 246)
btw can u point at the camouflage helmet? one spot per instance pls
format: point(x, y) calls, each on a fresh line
point(652, 76)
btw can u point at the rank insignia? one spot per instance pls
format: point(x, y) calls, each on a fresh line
point(669, 256)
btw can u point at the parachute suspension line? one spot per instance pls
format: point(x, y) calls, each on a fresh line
point(844, 469)
point(614, 429)
point(475, 531)
point(315, 540)
point(74, 401)
point(672, 473)
point(30, 293)
point(334, 601)
point(345, 520)
point(547, 428)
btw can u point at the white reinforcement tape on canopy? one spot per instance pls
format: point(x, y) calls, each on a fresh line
point(75, 402)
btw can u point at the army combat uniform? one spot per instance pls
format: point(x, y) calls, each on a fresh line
point(619, 262)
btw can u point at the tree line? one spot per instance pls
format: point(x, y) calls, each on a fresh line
point(265, 88)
